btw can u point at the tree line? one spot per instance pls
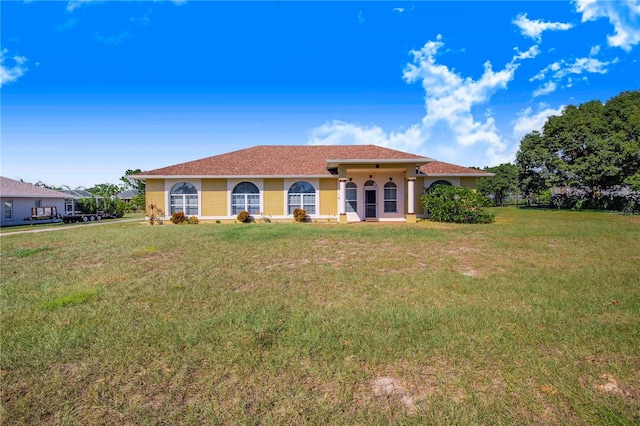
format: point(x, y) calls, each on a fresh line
point(586, 157)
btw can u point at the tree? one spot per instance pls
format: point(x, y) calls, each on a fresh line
point(134, 184)
point(499, 187)
point(591, 147)
point(107, 201)
point(139, 200)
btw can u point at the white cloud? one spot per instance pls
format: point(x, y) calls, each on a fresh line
point(545, 89)
point(529, 54)
point(624, 15)
point(526, 121)
point(449, 100)
point(594, 51)
point(342, 133)
point(398, 9)
point(74, 4)
point(562, 70)
point(11, 74)
point(535, 28)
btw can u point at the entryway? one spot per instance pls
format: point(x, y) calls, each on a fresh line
point(370, 200)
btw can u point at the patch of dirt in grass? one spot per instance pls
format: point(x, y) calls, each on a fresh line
point(466, 260)
point(390, 387)
point(608, 384)
point(410, 386)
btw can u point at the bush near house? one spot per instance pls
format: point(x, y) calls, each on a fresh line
point(447, 203)
point(300, 215)
point(178, 218)
point(244, 216)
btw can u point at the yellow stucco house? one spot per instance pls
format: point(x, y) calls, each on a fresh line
point(340, 183)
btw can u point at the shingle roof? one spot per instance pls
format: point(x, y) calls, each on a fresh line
point(17, 189)
point(440, 168)
point(282, 160)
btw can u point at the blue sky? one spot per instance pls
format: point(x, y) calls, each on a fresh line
point(90, 89)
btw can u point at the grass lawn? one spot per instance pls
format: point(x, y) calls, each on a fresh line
point(533, 319)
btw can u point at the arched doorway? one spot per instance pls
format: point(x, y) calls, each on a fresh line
point(370, 200)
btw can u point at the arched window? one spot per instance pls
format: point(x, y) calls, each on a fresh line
point(435, 184)
point(390, 197)
point(351, 198)
point(184, 198)
point(440, 182)
point(370, 183)
point(302, 195)
point(245, 197)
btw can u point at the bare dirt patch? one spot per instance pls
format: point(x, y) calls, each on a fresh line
point(612, 386)
point(391, 388)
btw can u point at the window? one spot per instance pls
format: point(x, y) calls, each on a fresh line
point(245, 197)
point(440, 182)
point(302, 195)
point(390, 197)
point(351, 198)
point(184, 198)
point(8, 209)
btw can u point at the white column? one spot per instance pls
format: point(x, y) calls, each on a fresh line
point(342, 195)
point(411, 196)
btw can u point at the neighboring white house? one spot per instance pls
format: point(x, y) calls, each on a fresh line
point(19, 198)
point(73, 195)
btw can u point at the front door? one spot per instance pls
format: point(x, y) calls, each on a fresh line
point(370, 205)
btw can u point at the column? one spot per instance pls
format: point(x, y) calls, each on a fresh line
point(411, 196)
point(342, 196)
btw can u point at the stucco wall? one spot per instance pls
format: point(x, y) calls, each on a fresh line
point(274, 197)
point(329, 196)
point(154, 193)
point(214, 197)
point(468, 182)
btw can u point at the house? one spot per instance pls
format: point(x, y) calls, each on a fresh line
point(127, 195)
point(343, 183)
point(72, 196)
point(22, 200)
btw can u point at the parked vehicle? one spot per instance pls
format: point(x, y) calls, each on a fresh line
point(86, 217)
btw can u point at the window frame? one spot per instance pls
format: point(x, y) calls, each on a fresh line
point(348, 206)
point(307, 200)
point(390, 203)
point(186, 202)
point(248, 202)
point(10, 210)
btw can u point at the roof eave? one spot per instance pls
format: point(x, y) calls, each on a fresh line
point(145, 177)
point(32, 196)
point(333, 163)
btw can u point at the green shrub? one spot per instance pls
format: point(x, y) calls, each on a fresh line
point(193, 220)
point(178, 218)
point(243, 216)
point(448, 203)
point(300, 215)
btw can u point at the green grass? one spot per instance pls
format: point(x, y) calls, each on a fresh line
point(533, 319)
